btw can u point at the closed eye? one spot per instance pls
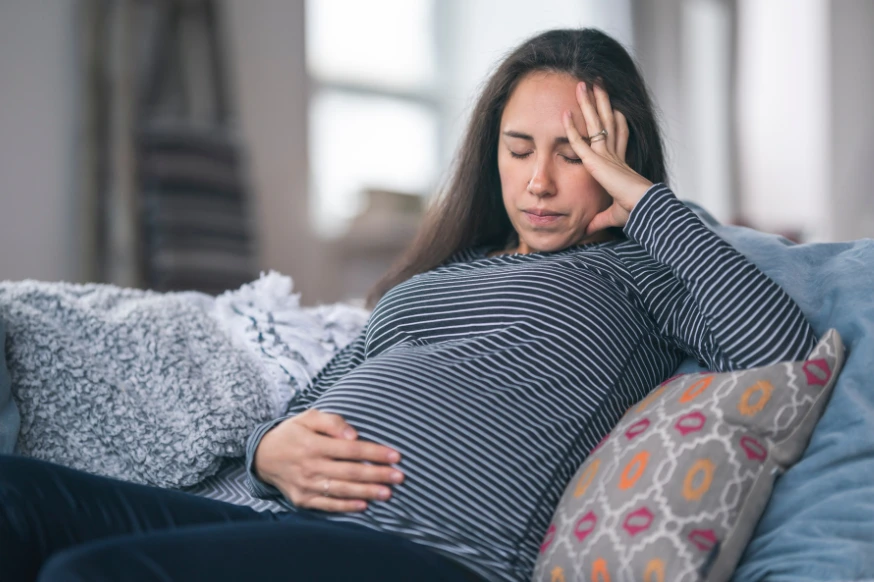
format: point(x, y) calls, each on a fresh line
point(567, 159)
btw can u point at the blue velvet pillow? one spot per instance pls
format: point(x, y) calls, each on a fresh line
point(9, 419)
point(819, 522)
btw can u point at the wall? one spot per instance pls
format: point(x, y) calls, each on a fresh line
point(807, 118)
point(659, 53)
point(267, 43)
point(800, 154)
point(37, 115)
point(684, 52)
point(39, 236)
point(783, 116)
point(851, 183)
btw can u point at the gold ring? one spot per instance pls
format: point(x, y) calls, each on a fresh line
point(596, 138)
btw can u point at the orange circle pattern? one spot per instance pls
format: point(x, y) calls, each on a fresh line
point(763, 388)
point(599, 571)
point(692, 493)
point(655, 571)
point(633, 470)
point(586, 478)
point(696, 389)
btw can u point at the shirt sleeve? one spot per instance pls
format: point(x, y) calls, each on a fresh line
point(341, 364)
point(704, 296)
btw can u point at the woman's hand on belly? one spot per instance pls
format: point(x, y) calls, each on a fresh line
point(314, 453)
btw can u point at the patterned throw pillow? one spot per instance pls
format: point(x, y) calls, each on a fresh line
point(675, 490)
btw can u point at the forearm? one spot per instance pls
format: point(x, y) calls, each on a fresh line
point(731, 312)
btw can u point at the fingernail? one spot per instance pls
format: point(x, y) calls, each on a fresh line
point(396, 477)
point(384, 493)
point(360, 505)
point(349, 433)
point(394, 457)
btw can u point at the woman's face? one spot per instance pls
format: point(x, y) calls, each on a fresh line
point(548, 194)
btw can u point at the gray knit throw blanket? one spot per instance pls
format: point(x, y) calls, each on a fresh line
point(154, 388)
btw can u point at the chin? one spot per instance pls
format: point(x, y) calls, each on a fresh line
point(548, 246)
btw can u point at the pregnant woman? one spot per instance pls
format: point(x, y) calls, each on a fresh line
point(554, 282)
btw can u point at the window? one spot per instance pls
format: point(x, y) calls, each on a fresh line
point(373, 116)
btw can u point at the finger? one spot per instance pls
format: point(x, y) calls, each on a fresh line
point(335, 505)
point(328, 423)
point(578, 142)
point(358, 472)
point(605, 112)
point(358, 451)
point(347, 489)
point(600, 221)
point(621, 135)
point(590, 114)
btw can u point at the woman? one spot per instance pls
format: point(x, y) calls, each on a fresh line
point(556, 281)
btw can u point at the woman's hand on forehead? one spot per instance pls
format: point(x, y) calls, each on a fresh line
point(603, 155)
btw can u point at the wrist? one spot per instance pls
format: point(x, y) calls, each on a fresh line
point(638, 192)
point(261, 458)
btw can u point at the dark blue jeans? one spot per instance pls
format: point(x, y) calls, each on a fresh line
point(65, 525)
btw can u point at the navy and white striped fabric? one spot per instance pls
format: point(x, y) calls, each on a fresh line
point(495, 377)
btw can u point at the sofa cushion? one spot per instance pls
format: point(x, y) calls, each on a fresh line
point(819, 523)
point(675, 490)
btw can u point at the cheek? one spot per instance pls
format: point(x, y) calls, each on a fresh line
point(582, 187)
point(577, 178)
point(510, 178)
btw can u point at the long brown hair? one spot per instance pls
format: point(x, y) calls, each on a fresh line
point(469, 209)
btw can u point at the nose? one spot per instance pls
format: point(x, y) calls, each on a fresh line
point(541, 183)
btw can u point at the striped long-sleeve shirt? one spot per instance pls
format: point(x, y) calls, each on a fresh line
point(494, 377)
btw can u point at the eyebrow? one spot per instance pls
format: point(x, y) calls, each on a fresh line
point(518, 134)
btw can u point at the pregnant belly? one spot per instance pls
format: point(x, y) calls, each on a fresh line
point(470, 450)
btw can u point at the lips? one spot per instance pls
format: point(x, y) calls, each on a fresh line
point(541, 212)
point(541, 217)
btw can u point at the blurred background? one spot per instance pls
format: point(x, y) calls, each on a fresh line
point(190, 144)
